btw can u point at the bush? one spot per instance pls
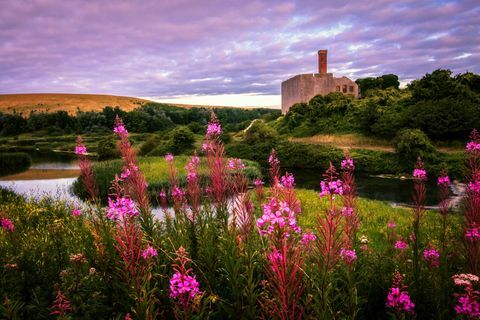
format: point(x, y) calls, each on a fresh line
point(259, 132)
point(107, 149)
point(11, 163)
point(149, 145)
point(411, 144)
point(182, 140)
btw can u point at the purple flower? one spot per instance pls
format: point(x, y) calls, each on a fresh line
point(347, 212)
point(125, 174)
point(235, 164)
point(81, 150)
point(287, 181)
point(177, 194)
point(443, 181)
point(183, 287)
point(348, 255)
point(401, 245)
point(76, 212)
point(307, 238)
point(149, 252)
point(399, 300)
point(472, 146)
point(391, 224)
point(120, 208)
point(169, 157)
point(432, 257)
point(347, 165)
point(474, 186)
point(7, 224)
point(273, 160)
point(120, 130)
point(420, 174)
point(214, 129)
point(258, 182)
point(472, 234)
point(331, 187)
point(277, 218)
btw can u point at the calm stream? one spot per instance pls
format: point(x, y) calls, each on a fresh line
point(54, 174)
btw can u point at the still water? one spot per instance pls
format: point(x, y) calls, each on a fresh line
point(54, 174)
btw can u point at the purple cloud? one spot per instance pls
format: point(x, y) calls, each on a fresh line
point(170, 48)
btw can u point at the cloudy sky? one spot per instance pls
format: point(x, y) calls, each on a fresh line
point(226, 51)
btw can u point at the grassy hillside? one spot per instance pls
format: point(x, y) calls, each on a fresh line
point(52, 102)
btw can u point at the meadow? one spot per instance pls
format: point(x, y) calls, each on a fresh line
point(227, 247)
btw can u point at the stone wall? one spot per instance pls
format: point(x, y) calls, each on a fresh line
point(303, 87)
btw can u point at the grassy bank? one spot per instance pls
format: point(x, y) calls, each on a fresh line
point(156, 172)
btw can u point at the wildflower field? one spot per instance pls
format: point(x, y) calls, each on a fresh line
point(230, 245)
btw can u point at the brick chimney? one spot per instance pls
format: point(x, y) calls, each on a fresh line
point(322, 61)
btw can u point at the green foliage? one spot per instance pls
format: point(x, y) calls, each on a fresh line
point(259, 132)
point(14, 162)
point(182, 140)
point(411, 144)
point(443, 106)
point(107, 149)
point(382, 82)
point(150, 117)
point(149, 145)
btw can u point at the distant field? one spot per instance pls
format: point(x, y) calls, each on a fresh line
point(52, 102)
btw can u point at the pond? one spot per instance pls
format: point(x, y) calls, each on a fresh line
point(393, 190)
point(54, 174)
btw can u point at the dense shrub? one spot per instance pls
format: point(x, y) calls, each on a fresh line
point(411, 144)
point(107, 149)
point(149, 145)
point(14, 162)
point(259, 132)
point(182, 140)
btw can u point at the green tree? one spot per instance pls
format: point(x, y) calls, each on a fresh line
point(259, 132)
point(411, 144)
point(182, 140)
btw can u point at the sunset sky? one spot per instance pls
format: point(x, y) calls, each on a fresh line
point(225, 52)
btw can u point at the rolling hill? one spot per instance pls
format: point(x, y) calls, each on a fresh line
point(50, 102)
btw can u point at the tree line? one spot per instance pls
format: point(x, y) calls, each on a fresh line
point(151, 117)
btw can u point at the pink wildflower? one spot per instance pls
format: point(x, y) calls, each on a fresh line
point(169, 157)
point(331, 187)
point(472, 146)
point(120, 208)
point(149, 252)
point(307, 238)
point(120, 129)
point(258, 182)
point(7, 224)
point(432, 257)
point(76, 212)
point(401, 245)
point(177, 194)
point(391, 224)
point(214, 129)
point(420, 174)
point(443, 181)
point(347, 212)
point(399, 300)
point(235, 164)
point(125, 174)
point(183, 286)
point(474, 186)
point(347, 165)
point(81, 149)
point(348, 255)
point(472, 234)
point(277, 217)
point(287, 181)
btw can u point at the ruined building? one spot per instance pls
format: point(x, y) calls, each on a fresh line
point(303, 87)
